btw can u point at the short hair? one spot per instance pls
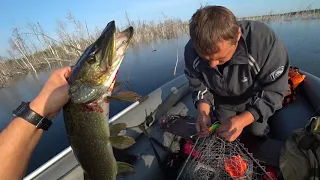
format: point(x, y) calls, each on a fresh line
point(211, 24)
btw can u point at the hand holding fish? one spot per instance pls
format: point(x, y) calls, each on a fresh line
point(54, 94)
point(85, 99)
point(19, 138)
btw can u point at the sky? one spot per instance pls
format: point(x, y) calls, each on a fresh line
point(16, 13)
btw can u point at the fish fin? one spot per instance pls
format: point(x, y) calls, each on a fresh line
point(124, 168)
point(121, 142)
point(128, 96)
point(116, 128)
point(117, 85)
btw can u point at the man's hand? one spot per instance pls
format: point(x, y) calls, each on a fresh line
point(203, 122)
point(203, 119)
point(54, 94)
point(230, 130)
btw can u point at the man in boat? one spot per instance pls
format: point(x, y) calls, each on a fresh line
point(240, 65)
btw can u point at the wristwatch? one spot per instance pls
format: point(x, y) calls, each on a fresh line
point(32, 117)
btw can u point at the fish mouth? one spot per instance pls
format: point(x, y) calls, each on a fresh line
point(94, 55)
point(111, 49)
point(96, 69)
point(121, 45)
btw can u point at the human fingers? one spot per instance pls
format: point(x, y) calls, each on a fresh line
point(198, 126)
point(233, 135)
point(56, 100)
point(226, 135)
point(60, 76)
point(204, 124)
point(208, 121)
point(63, 70)
point(67, 71)
point(64, 91)
point(224, 127)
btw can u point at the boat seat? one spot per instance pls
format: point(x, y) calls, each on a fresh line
point(282, 124)
point(291, 117)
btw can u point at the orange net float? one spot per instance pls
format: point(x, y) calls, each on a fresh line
point(235, 166)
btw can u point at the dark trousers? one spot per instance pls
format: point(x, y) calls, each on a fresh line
point(225, 112)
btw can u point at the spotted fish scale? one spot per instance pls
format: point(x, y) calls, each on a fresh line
point(86, 115)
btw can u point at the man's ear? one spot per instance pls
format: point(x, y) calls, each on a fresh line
point(239, 33)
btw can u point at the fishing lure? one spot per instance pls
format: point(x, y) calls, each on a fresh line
point(213, 127)
point(210, 129)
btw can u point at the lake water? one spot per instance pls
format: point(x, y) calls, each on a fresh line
point(146, 70)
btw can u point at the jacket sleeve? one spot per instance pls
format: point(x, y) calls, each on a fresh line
point(200, 92)
point(271, 83)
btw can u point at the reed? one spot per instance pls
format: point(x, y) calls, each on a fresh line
point(33, 49)
point(148, 31)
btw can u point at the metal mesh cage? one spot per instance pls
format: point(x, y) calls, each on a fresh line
point(214, 158)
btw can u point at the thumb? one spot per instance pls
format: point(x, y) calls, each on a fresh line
point(198, 126)
point(203, 125)
point(208, 121)
point(223, 127)
point(67, 71)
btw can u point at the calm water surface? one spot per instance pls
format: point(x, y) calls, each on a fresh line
point(146, 70)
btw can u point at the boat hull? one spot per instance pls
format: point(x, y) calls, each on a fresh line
point(174, 97)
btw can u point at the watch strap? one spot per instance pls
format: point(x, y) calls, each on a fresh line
point(24, 111)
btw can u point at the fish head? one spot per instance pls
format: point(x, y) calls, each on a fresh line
point(96, 69)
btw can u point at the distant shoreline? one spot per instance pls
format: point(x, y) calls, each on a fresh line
point(305, 14)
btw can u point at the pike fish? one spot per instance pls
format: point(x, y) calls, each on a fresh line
point(86, 115)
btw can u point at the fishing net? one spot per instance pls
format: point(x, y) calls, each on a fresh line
point(214, 158)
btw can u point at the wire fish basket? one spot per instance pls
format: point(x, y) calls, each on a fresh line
point(213, 158)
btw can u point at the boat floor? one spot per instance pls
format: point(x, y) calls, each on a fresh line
point(282, 124)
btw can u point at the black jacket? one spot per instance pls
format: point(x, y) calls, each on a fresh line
point(257, 74)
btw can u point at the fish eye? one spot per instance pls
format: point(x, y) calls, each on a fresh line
point(91, 60)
